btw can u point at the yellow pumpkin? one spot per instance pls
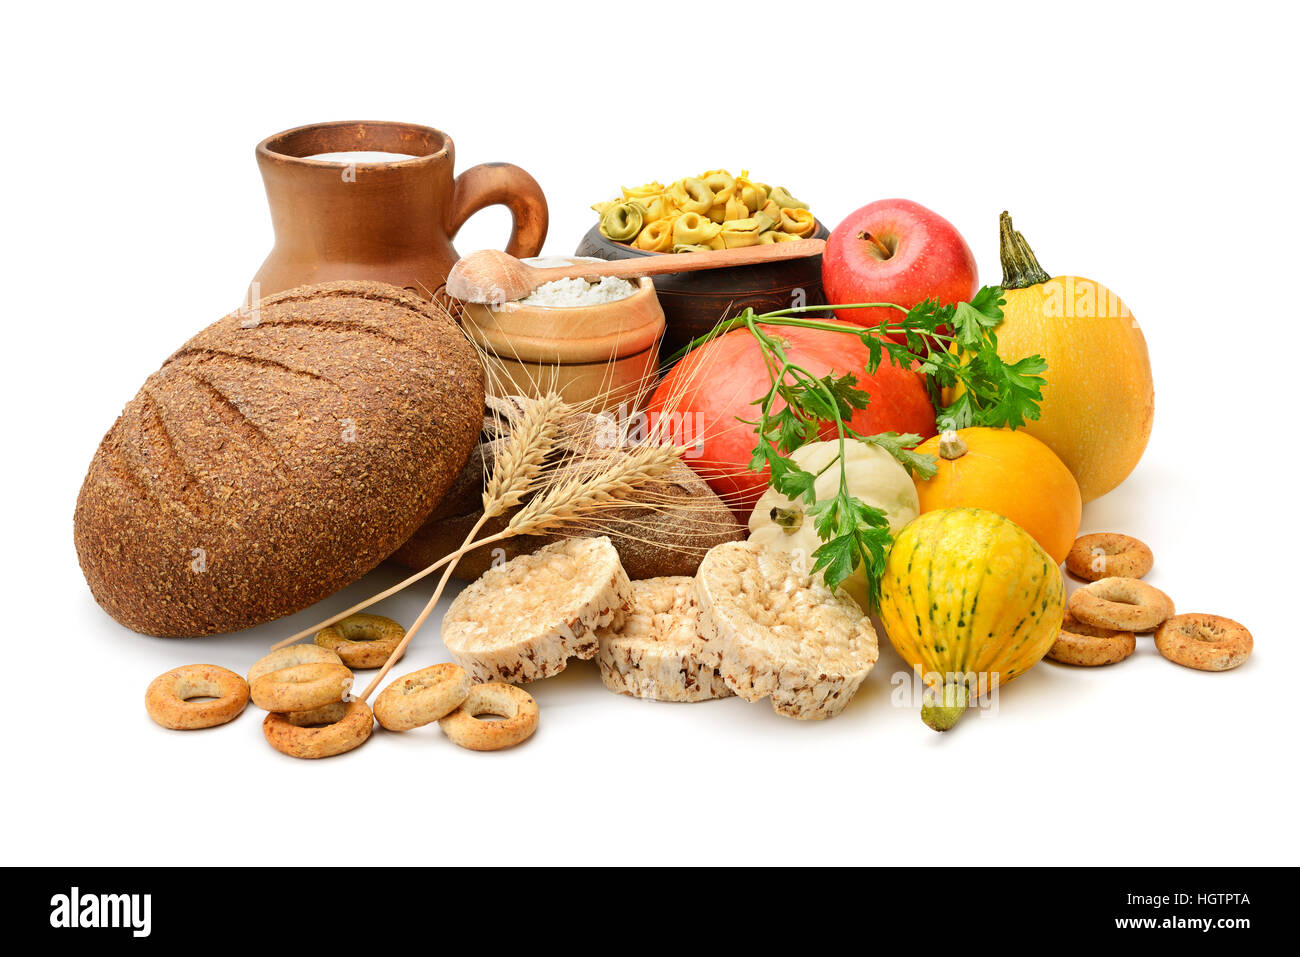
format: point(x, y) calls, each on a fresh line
point(1011, 473)
point(970, 601)
point(1098, 400)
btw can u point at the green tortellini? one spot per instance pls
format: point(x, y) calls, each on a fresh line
point(622, 222)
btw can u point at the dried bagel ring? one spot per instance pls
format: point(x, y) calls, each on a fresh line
point(422, 697)
point(168, 697)
point(1108, 555)
point(515, 705)
point(321, 732)
point(1089, 646)
point(291, 656)
point(1123, 604)
point(362, 641)
point(1204, 642)
point(302, 687)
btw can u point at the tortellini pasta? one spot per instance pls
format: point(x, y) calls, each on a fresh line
point(798, 222)
point(657, 237)
point(692, 229)
point(741, 232)
point(691, 195)
point(784, 199)
point(622, 222)
point(643, 192)
point(714, 210)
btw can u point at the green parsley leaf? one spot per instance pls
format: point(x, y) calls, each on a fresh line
point(900, 447)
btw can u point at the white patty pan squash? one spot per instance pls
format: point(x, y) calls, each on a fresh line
point(875, 477)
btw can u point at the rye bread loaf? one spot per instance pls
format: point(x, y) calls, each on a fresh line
point(274, 459)
point(677, 519)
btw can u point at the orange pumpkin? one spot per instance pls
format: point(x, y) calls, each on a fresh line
point(1010, 473)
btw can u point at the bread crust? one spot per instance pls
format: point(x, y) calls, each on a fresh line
point(268, 464)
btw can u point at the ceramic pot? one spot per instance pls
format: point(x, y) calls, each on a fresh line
point(694, 302)
point(389, 222)
point(600, 355)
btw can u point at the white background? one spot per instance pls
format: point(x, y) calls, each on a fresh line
point(1149, 147)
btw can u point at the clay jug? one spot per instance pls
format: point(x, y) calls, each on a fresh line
point(385, 221)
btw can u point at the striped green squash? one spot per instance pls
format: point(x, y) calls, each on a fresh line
point(971, 601)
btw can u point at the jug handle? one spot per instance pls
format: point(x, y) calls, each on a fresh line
point(490, 184)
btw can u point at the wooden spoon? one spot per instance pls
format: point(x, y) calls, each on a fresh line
point(493, 277)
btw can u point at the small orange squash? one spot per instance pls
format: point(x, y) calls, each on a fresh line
point(1010, 473)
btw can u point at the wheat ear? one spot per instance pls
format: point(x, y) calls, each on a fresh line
point(514, 473)
point(520, 462)
point(571, 498)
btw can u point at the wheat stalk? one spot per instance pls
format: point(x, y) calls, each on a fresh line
point(514, 473)
point(520, 462)
point(590, 487)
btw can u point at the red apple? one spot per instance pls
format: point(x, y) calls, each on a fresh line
point(895, 250)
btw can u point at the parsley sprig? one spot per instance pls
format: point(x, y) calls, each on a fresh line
point(969, 384)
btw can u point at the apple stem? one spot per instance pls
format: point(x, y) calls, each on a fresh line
point(1020, 267)
point(881, 248)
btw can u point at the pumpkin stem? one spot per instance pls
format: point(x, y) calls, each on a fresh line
point(789, 519)
point(1019, 264)
point(951, 445)
point(940, 712)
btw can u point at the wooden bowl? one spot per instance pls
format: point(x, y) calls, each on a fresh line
point(607, 352)
point(693, 303)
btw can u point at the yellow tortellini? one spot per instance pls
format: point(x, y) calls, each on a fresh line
point(691, 195)
point(692, 229)
point(741, 232)
point(658, 207)
point(798, 222)
point(643, 192)
point(722, 183)
point(657, 237)
point(714, 210)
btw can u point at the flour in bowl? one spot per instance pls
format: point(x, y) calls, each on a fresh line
point(579, 292)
